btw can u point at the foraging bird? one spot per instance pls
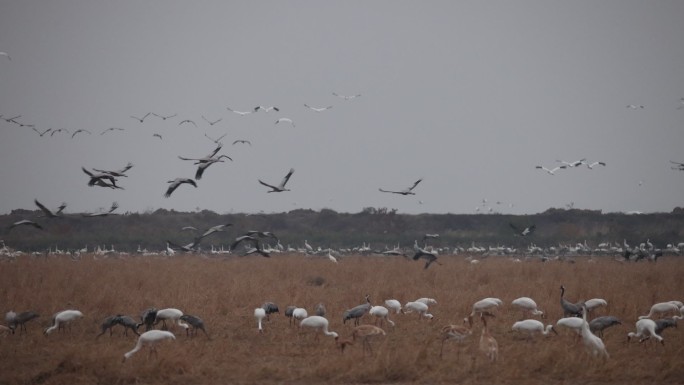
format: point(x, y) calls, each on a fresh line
point(532, 326)
point(211, 123)
point(482, 308)
point(289, 312)
point(317, 109)
point(661, 308)
point(645, 328)
point(281, 186)
point(141, 119)
point(79, 131)
point(407, 191)
point(569, 308)
point(170, 314)
point(525, 232)
point(260, 314)
point(196, 323)
point(61, 318)
point(357, 312)
point(380, 313)
point(393, 304)
point(366, 332)
point(551, 171)
point(13, 319)
point(346, 97)
point(456, 333)
point(418, 307)
point(24, 222)
point(319, 309)
point(599, 324)
point(664, 323)
point(177, 182)
point(47, 211)
point(270, 308)
point(151, 339)
point(285, 120)
point(147, 318)
point(595, 303)
point(317, 323)
point(528, 306)
point(488, 345)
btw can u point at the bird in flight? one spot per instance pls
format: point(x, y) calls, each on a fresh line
point(188, 121)
point(242, 141)
point(41, 133)
point(48, 212)
point(6, 54)
point(25, 222)
point(635, 107)
point(104, 213)
point(591, 165)
point(576, 163)
point(210, 122)
point(79, 131)
point(677, 166)
point(241, 113)
point(102, 179)
point(407, 191)
point(59, 130)
point(203, 165)
point(318, 109)
point(177, 182)
point(525, 232)
point(141, 119)
point(285, 120)
point(117, 173)
point(111, 129)
point(551, 171)
point(164, 117)
point(207, 159)
point(346, 97)
point(266, 109)
point(158, 136)
point(217, 141)
point(281, 186)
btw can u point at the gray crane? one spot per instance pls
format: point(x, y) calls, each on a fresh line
point(148, 317)
point(108, 324)
point(281, 186)
point(428, 256)
point(599, 324)
point(569, 309)
point(196, 323)
point(407, 191)
point(270, 308)
point(357, 312)
point(288, 312)
point(48, 213)
point(319, 309)
point(664, 323)
point(13, 319)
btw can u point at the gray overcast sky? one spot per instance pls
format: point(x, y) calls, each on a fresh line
point(469, 95)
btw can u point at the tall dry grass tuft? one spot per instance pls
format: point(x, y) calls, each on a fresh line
point(224, 292)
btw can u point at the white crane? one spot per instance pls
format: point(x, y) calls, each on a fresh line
point(661, 308)
point(595, 303)
point(170, 314)
point(532, 326)
point(482, 308)
point(393, 304)
point(593, 343)
point(380, 313)
point(151, 339)
point(645, 328)
point(418, 307)
point(317, 109)
point(285, 120)
point(346, 97)
point(551, 171)
point(260, 314)
point(63, 317)
point(317, 323)
point(24, 222)
point(281, 186)
point(241, 113)
point(528, 306)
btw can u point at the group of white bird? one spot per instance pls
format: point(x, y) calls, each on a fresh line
point(565, 165)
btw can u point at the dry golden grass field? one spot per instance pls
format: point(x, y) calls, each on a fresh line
point(224, 292)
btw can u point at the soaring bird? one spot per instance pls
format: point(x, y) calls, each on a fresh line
point(407, 191)
point(177, 182)
point(79, 131)
point(204, 165)
point(102, 179)
point(681, 102)
point(58, 131)
point(265, 109)
point(111, 129)
point(24, 222)
point(551, 171)
point(211, 123)
point(285, 120)
point(241, 113)
point(635, 107)
point(208, 158)
point(157, 136)
point(525, 232)
point(141, 119)
point(317, 109)
point(217, 140)
point(164, 117)
point(576, 163)
point(281, 186)
point(117, 173)
point(677, 166)
point(242, 141)
point(345, 97)
point(115, 206)
point(6, 54)
point(44, 132)
point(47, 211)
point(188, 121)
point(591, 165)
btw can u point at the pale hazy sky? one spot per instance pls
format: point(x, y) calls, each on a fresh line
point(468, 95)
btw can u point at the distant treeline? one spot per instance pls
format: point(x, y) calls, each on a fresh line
point(327, 228)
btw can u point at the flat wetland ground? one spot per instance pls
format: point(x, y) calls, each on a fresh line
point(225, 291)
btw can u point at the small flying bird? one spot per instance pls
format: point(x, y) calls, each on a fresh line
point(12, 120)
point(188, 121)
point(242, 141)
point(44, 132)
point(317, 109)
point(114, 206)
point(117, 173)
point(6, 54)
point(24, 222)
point(635, 107)
point(141, 119)
point(177, 182)
point(677, 166)
point(210, 122)
point(164, 117)
point(346, 97)
point(407, 191)
point(551, 171)
point(101, 179)
point(48, 212)
point(241, 113)
point(285, 120)
point(525, 232)
point(265, 109)
point(217, 141)
point(255, 249)
point(158, 136)
point(281, 186)
point(111, 129)
point(591, 165)
point(576, 163)
point(79, 131)
point(59, 130)
point(204, 165)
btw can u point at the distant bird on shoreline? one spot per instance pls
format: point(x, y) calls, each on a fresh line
point(177, 182)
point(141, 119)
point(407, 191)
point(281, 186)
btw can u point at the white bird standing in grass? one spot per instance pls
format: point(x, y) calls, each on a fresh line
point(528, 306)
point(645, 328)
point(532, 327)
point(317, 323)
point(260, 314)
point(661, 308)
point(62, 318)
point(593, 343)
point(151, 339)
point(393, 304)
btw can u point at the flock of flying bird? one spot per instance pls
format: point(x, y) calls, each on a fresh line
point(661, 316)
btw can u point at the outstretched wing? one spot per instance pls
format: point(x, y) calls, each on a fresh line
point(415, 184)
point(45, 209)
point(287, 177)
point(267, 185)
